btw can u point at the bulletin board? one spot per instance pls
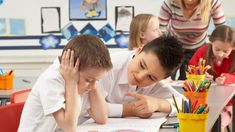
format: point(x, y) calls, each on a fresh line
point(27, 24)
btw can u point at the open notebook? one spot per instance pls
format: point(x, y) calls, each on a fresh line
point(132, 124)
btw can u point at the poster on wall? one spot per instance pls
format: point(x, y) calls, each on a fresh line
point(3, 26)
point(87, 9)
point(17, 27)
point(50, 19)
point(124, 15)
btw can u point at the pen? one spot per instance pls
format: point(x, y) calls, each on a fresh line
point(186, 107)
point(201, 109)
point(11, 71)
point(182, 106)
point(26, 81)
point(177, 108)
point(193, 105)
point(206, 110)
point(176, 125)
point(190, 106)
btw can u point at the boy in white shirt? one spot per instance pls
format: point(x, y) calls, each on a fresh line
point(57, 97)
point(133, 86)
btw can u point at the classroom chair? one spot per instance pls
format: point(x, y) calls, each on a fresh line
point(10, 117)
point(19, 96)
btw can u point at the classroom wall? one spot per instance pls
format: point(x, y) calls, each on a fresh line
point(32, 62)
point(30, 11)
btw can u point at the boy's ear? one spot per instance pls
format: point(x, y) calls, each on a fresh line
point(59, 57)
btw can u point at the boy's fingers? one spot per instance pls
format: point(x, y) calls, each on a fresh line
point(140, 107)
point(134, 95)
point(138, 103)
point(77, 63)
point(63, 57)
point(72, 58)
point(67, 55)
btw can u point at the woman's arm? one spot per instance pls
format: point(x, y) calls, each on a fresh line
point(164, 15)
point(217, 13)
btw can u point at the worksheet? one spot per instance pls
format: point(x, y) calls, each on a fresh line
point(132, 124)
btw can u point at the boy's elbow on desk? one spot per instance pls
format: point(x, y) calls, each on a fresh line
point(102, 120)
point(69, 127)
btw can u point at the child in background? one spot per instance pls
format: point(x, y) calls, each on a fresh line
point(133, 86)
point(143, 29)
point(220, 55)
point(56, 98)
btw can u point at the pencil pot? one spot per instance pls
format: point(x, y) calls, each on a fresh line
point(192, 122)
point(201, 97)
point(6, 82)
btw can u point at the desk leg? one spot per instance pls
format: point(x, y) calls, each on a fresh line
point(233, 126)
point(217, 125)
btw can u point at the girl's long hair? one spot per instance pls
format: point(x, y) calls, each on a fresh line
point(138, 24)
point(225, 34)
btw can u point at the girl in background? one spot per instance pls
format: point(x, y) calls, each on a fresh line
point(188, 21)
point(143, 29)
point(220, 55)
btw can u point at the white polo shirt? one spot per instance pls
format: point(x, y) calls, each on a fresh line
point(47, 96)
point(115, 85)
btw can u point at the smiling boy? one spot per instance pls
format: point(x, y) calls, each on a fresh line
point(133, 86)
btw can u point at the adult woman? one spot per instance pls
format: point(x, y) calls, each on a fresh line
point(188, 21)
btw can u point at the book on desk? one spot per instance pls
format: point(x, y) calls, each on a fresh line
point(132, 124)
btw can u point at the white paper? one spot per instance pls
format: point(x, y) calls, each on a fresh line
point(124, 19)
point(121, 124)
point(50, 19)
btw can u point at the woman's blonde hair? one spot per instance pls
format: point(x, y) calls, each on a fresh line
point(204, 8)
point(138, 24)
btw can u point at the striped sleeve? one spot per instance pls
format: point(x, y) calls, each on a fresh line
point(217, 13)
point(165, 15)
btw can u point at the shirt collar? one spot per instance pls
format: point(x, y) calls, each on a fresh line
point(124, 74)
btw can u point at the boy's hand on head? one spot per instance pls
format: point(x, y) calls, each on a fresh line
point(220, 80)
point(143, 105)
point(68, 69)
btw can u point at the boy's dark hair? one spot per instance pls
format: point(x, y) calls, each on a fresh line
point(91, 52)
point(168, 50)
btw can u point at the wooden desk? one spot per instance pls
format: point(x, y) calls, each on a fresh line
point(20, 83)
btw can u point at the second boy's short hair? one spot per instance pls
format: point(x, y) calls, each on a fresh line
point(168, 50)
point(91, 52)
